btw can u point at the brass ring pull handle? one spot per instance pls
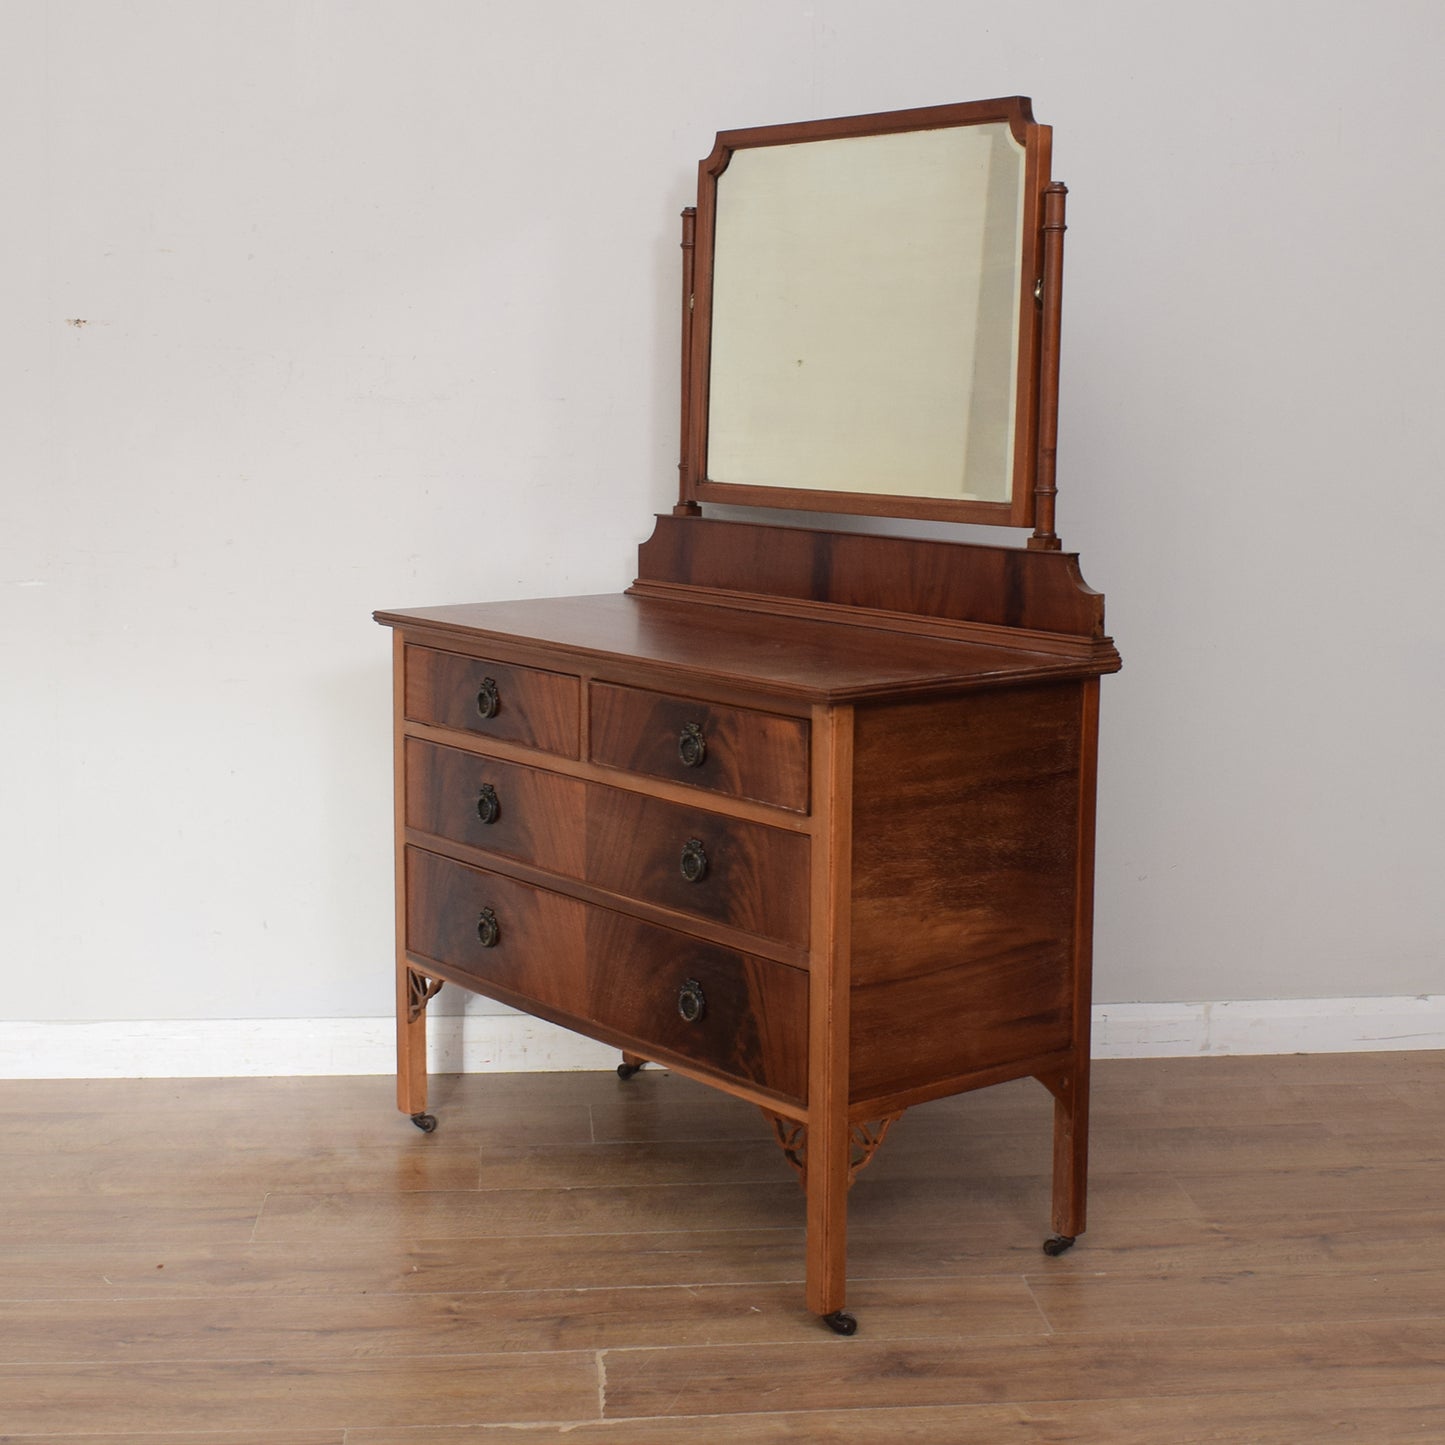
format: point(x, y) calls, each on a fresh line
point(489, 807)
point(694, 860)
point(488, 699)
point(489, 931)
point(691, 1003)
point(691, 745)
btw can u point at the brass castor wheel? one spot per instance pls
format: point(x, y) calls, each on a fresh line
point(626, 1071)
point(425, 1122)
point(841, 1323)
point(1056, 1244)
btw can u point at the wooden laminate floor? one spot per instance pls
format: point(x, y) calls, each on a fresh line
point(571, 1257)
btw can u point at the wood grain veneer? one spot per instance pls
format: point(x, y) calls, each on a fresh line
point(805, 813)
point(883, 885)
point(533, 707)
point(533, 813)
point(754, 878)
point(749, 754)
point(557, 957)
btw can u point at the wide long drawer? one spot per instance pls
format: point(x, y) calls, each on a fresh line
point(507, 808)
point(631, 983)
point(726, 870)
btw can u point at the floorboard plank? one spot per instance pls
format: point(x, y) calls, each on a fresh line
point(407, 1266)
point(1352, 1243)
point(137, 1219)
point(1409, 1416)
point(189, 1437)
point(210, 1175)
point(354, 1327)
point(1188, 1301)
point(1098, 1366)
point(1262, 1195)
point(258, 1395)
point(328, 1219)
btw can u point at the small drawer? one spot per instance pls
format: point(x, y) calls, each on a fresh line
point(738, 751)
point(506, 808)
point(493, 699)
point(631, 983)
point(744, 874)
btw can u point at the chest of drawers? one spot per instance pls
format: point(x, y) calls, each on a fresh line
point(807, 815)
point(827, 854)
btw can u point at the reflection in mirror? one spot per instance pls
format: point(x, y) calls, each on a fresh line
point(866, 304)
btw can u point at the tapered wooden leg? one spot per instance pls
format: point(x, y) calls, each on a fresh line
point(413, 990)
point(827, 1186)
point(1070, 1087)
point(412, 993)
point(1071, 1153)
point(829, 1136)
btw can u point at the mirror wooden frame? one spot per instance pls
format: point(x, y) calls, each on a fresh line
point(1030, 501)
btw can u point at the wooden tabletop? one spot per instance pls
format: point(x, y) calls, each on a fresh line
point(797, 657)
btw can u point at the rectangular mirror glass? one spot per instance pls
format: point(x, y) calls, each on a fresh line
point(885, 360)
point(867, 328)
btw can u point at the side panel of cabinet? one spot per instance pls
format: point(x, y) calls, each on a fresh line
point(965, 858)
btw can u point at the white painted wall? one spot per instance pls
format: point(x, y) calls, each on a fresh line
point(379, 306)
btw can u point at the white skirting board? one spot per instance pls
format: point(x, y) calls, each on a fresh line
point(1268, 1026)
point(499, 1043)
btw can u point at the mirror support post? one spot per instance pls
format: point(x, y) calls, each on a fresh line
point(686, 508)
point(1046, 488)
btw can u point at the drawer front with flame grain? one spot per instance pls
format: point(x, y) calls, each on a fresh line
point(507, 808)
point(524, 705)
point(746, 875)
point(738, 751)
point(628, 982)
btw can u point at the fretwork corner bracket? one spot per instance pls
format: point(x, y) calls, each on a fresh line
point(865, 1140)
point(420, 990)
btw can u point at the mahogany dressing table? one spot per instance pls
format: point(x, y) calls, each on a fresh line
point(807, 815)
